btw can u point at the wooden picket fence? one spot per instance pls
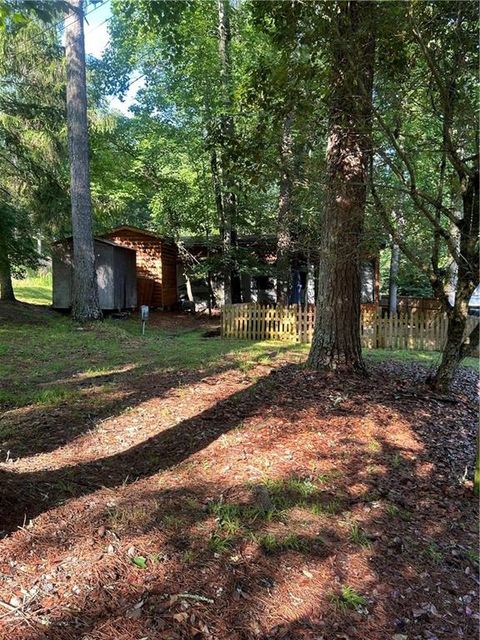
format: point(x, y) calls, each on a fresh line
point(423, 331)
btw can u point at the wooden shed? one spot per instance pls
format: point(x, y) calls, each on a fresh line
point(116, 275)
point(156, 265)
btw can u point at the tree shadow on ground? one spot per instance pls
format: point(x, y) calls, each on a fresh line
point(93, 398)
point(398, 493)
point(54, 427)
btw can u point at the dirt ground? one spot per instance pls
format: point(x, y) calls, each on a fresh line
point(222, 504)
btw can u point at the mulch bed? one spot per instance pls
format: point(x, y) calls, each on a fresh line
point(130, 536)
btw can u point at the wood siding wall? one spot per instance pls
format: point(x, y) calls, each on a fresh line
point(169, 273)
point(156, 261)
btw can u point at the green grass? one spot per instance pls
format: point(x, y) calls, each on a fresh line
point(432, 552)
point(270, 543)
point(34, 289)
point(473, 556)
point(358, 536)
point(51, 362)
point(347, 599)
point(219, 544)
point(430, 358)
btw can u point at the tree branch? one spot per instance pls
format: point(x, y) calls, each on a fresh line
point(460, 167)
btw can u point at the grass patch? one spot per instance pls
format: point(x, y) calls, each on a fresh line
point(233, 517)
point(188, 556)
point(429, 358)
point(35, 359)
point(48, 397)
point(292, 492)
point(34, 289)
point(373, 446)
point(433, 553)
point(219, 543)
point(473, 556)
point(331, 507)
point(303, 493)
point(270, 543)
point(347, 599)
point(393, 511)
point(358, 536)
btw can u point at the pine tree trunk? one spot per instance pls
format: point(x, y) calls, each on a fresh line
point(225, 235)
point(336, 341)
point(85, 304)
point(236, 282)
point(6, 287)
point(393, 279)
point(228, 225)
point(285, 215)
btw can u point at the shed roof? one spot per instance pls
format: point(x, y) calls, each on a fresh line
point(96, 239)
point(126, 227)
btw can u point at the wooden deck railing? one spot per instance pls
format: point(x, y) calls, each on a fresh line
point(425, 331)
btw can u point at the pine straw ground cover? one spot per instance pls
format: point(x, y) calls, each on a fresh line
point(184, 487)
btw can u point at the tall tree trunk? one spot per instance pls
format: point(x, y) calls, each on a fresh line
point(285, 215)
point(85, 304)
point(452, 271)
point(336, 341)
point(227, 140)
point(225, 234)
point(467, 280)
point(393, 279)
point(6, 287)
point(235, 275)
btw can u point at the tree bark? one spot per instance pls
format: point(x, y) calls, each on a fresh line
point(85, 304)
point(6, 287)
point(393, 279)
point(225, 234)
point(228, 227)
point(285, 215)
point(467, 280)
point(336, 341)
point(452, 352)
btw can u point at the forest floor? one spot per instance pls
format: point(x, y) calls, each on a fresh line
point(178, 486)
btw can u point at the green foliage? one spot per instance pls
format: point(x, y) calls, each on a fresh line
point(32, 142)
point(411, 281)
point(425, 129)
